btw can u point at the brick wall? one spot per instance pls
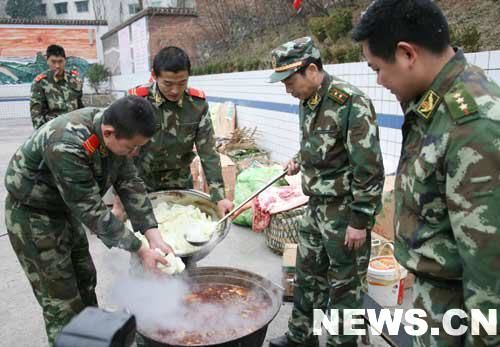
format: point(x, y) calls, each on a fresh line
point(181, 31)
point(18, 42)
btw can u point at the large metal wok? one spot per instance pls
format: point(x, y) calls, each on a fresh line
point(223, 275)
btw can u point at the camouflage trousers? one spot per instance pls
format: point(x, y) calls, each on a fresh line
point(435, 298)
point(329, 276)
point(53, 251)
point(168, 179)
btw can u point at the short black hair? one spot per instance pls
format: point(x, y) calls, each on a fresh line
point(171, 59)
point(56, 51)
point(309, 61)
point(387, 22)
point(131, 116)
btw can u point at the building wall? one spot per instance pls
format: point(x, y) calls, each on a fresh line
point(119, 11)
point(180, 31)
point(72, 10)
point(111, 54)
point(24, 41)
point(170, 3)
point(127, 50)
point(3, 3)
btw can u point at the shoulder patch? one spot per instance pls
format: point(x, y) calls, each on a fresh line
point(196, 93)
point(139, 91)
point(428, 104)
point(460, 102)
point(91, 144)
point(338, 95)
point(40, 77)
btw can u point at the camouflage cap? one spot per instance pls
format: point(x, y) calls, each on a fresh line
point(291, 56)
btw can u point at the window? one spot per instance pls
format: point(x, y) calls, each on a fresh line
point(133, 8)
point(61, 8)
point(82, 6)
point(181, 3)
point(43, 10)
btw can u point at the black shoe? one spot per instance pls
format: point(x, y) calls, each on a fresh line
point(282, 341)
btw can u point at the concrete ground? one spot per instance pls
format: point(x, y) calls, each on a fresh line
point(20, 316)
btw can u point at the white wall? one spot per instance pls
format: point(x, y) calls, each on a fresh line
point(277, 121)
point(268, 107)
point(72, 11)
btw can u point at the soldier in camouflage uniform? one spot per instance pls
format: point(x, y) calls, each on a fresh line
point(55, 91)
point(182, 121)
point(342, 172)
point(448, 184)
point(55, 181)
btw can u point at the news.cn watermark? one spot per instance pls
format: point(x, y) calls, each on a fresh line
point(411, 320)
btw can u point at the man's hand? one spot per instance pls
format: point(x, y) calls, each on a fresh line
point(292, 167)
point(224, 206)
point(150, 259)
point(156, 241)
point(354, 238)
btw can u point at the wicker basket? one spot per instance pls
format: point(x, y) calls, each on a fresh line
point(283, 228)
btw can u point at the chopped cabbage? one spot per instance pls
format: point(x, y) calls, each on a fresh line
point(174, 221)
point(175, 264)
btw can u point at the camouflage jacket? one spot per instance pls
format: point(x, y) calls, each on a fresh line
point(170, 152)
point(65, 166)
point(448, 186)
point(339, 149)
point(50, 98)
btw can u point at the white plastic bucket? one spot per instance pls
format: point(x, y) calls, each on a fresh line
point(386, 279)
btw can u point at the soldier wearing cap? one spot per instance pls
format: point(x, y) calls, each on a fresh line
point(448, 184)
point(342, 172)
point(182, 121)
point(56, 91)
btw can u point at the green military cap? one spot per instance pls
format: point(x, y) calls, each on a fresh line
point(291, 56)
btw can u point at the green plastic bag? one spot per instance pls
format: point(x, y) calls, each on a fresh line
point(248, 182)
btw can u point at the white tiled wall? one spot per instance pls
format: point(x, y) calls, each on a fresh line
point(278, 129)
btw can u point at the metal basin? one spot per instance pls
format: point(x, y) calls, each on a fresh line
point(224, 275)
point(203, 202)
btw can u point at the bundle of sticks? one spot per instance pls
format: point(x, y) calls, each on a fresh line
point(241, 138)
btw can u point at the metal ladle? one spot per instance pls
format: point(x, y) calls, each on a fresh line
point(237, 208)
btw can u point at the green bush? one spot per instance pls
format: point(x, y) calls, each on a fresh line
point(199, 70)
point(346, 53)
point(240, 65)
point(466, 36)
point(97, 74)
point(249, 64)
point(326, 56)
point(210, 69)
point(338, 24)
point(317, 27)
point(252, 64)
